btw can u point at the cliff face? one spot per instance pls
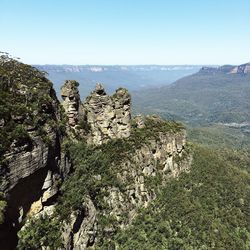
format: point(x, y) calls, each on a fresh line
point(119, 163)
point(32, 163)
point(241, 69)
point(227, 69)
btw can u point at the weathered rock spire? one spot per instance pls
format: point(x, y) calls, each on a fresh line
point(101, 117)
point(71, 101)
point(108, 116)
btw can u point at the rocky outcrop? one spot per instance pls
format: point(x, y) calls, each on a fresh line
point(82, 230)
point(108, 117)
point(71, 102)
point(145, 171)
point(34, 178)
point(241, 69)
point(101, 117)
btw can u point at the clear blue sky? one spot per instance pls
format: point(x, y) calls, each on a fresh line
point(126, 31)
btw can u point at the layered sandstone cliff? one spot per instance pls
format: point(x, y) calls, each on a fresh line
point(32, 163)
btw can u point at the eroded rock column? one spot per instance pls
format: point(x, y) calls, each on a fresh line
point(108, 117)
point(71, 102)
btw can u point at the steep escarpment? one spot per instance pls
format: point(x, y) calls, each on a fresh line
point(75, 173)
point(228, 69)
point(32, 164)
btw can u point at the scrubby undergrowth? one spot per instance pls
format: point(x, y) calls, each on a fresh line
point(207, 208)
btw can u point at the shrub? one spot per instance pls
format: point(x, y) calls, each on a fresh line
point(204, 209)
point(3, 205)
point(40, 232)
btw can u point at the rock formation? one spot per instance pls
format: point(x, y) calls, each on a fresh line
point(101, 117)
point(71, 102)
point(241, 69)
point(108, 117)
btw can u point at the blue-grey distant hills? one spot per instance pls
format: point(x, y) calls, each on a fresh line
point(228, 69)
point(136, 77)
point(212, 95)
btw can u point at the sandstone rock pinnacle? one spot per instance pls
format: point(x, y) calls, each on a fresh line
point(102, 117)
point(108, 116)
point(71, 101)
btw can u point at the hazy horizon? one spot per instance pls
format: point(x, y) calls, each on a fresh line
point(65, 64)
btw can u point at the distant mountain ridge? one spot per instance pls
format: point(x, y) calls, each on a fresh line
point(101, 68)
point(229, 69)
point(132, 77)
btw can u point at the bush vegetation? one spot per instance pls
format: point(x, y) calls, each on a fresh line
point(96, 168)
point(207, 208)
point(221, 137)
point(26, 100)
point(3, 205)
point(40, 232)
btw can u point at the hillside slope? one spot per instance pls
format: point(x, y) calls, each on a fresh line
point(212, 95)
